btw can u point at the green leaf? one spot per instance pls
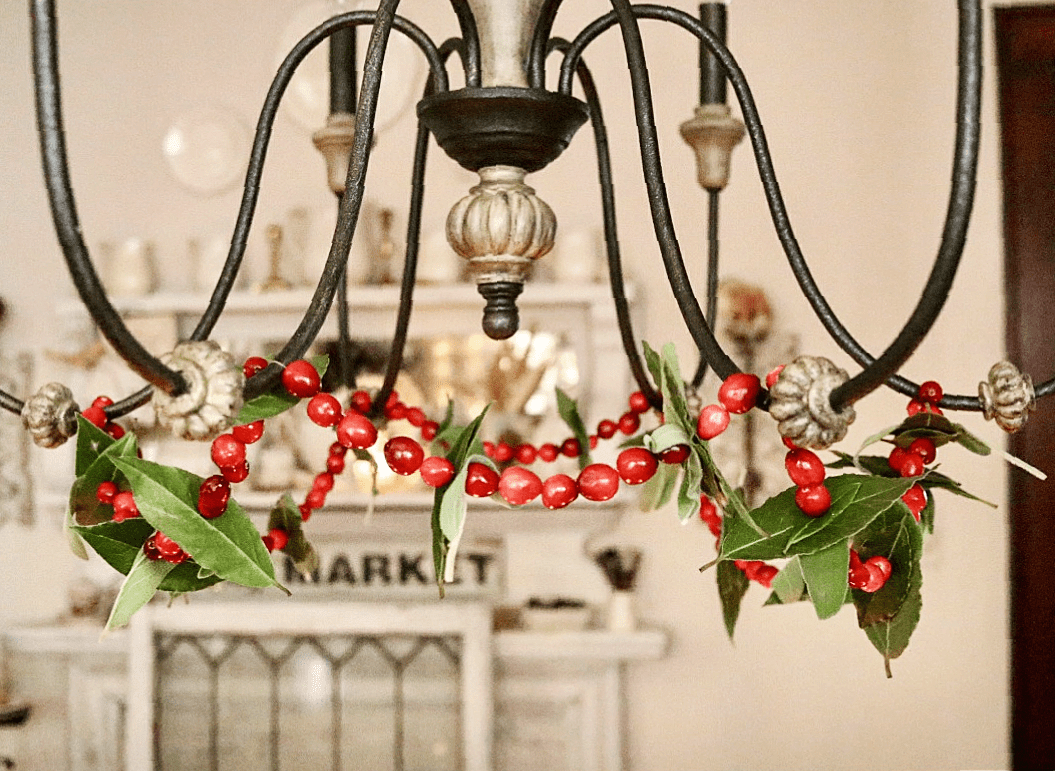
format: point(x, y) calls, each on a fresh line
point(856, 501)
point(789, 585)
point(689, 493)
point(118, 543)
point(277, 401)
point(188, 577)
point(900, 540)
point(144, 578)
point(229, 545)
point(91, 441)
point(448, 507)
point(286, 516)
point(825, 573)
point(84, 507)
point(569, 413)
point(732, 586)
point(657, 492)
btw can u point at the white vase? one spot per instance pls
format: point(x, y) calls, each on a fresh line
point(621, 615)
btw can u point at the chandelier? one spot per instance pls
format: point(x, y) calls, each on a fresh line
point(505, 123)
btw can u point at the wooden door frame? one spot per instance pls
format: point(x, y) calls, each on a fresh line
point(1025, 42)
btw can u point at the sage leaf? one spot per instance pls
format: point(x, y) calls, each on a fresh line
point(825, 573)
point(732, 586)
point(689, 493)
point(229, 545)
point(139, 587)
point(657, 492)
point(91, 442)
point(569, 413)
point(789, 585)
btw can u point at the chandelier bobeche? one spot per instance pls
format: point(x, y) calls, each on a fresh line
point(855, 536)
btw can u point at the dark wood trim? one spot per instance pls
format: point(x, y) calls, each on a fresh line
point(1025, 41)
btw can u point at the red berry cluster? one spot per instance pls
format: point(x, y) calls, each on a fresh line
point(912, 461)
point(160, 547)
point(96, 415)
point(870, 575)
point(737, 394)
point(806, 471)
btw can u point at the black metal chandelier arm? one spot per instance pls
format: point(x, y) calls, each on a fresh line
point(958, 215)
point(10, 403)
point(348, 210)
point(712, 276)
point(677, 275)
point(410, 263)
point(64, 210)
point(611, 230)
point(264, 127)
point(470, 50)
point(774, 199)
point(541, 45)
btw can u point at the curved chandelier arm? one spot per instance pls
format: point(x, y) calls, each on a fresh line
point(410, 264)
point(967, 98)
point(10, 403)
point(263, 136)
point(541, 45)
point(470, 49)
point(348, 210)
point(712, 275)
point(611, 230)
point(673, 262)
point(64, 209)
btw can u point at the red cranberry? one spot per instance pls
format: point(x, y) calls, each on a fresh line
point(765, 574)
point(598, 482)
point(930, 392)
point(526, 454)
point(883, 564)
point(102, 402)
point(629, 423)
point(481, 481)
point(105, 492)
point(813, 500)
point(416, 417)
point(558, 491)
point(774, 374)
point(279, 538)
point(639, 402)
point(636, 465)
point(95, 416)
point(925, 448)
point(335, 464)
point(323, 481)
point(396, 411)
point(227, 451)
point(315, 499)
point(301, 379)
point(324, 410)
point(213, 495)
point(436, 471)
point(519, 485)
point(124, 506)
point(916, 500)
point(713, 420)
point(115, 430)
point(249, 433)
point(361, 401)
point(503, 452)
point(356, 431)
point(429, 429)
point(739, 392)
point(548, 452)
point(606, 429)
point(710, 516)
point(804, 467)
point(403, 455)
point(571, 448)
point(912, 465)
point(253, 365)
point(897, 458)
point(236, 474)
point(675, 455)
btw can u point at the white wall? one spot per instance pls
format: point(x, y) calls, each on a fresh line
point(858, 104)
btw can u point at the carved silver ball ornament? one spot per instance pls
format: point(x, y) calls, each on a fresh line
point(1007, 396)
point(50, 415)
point(800, 402)
point(214, 391)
